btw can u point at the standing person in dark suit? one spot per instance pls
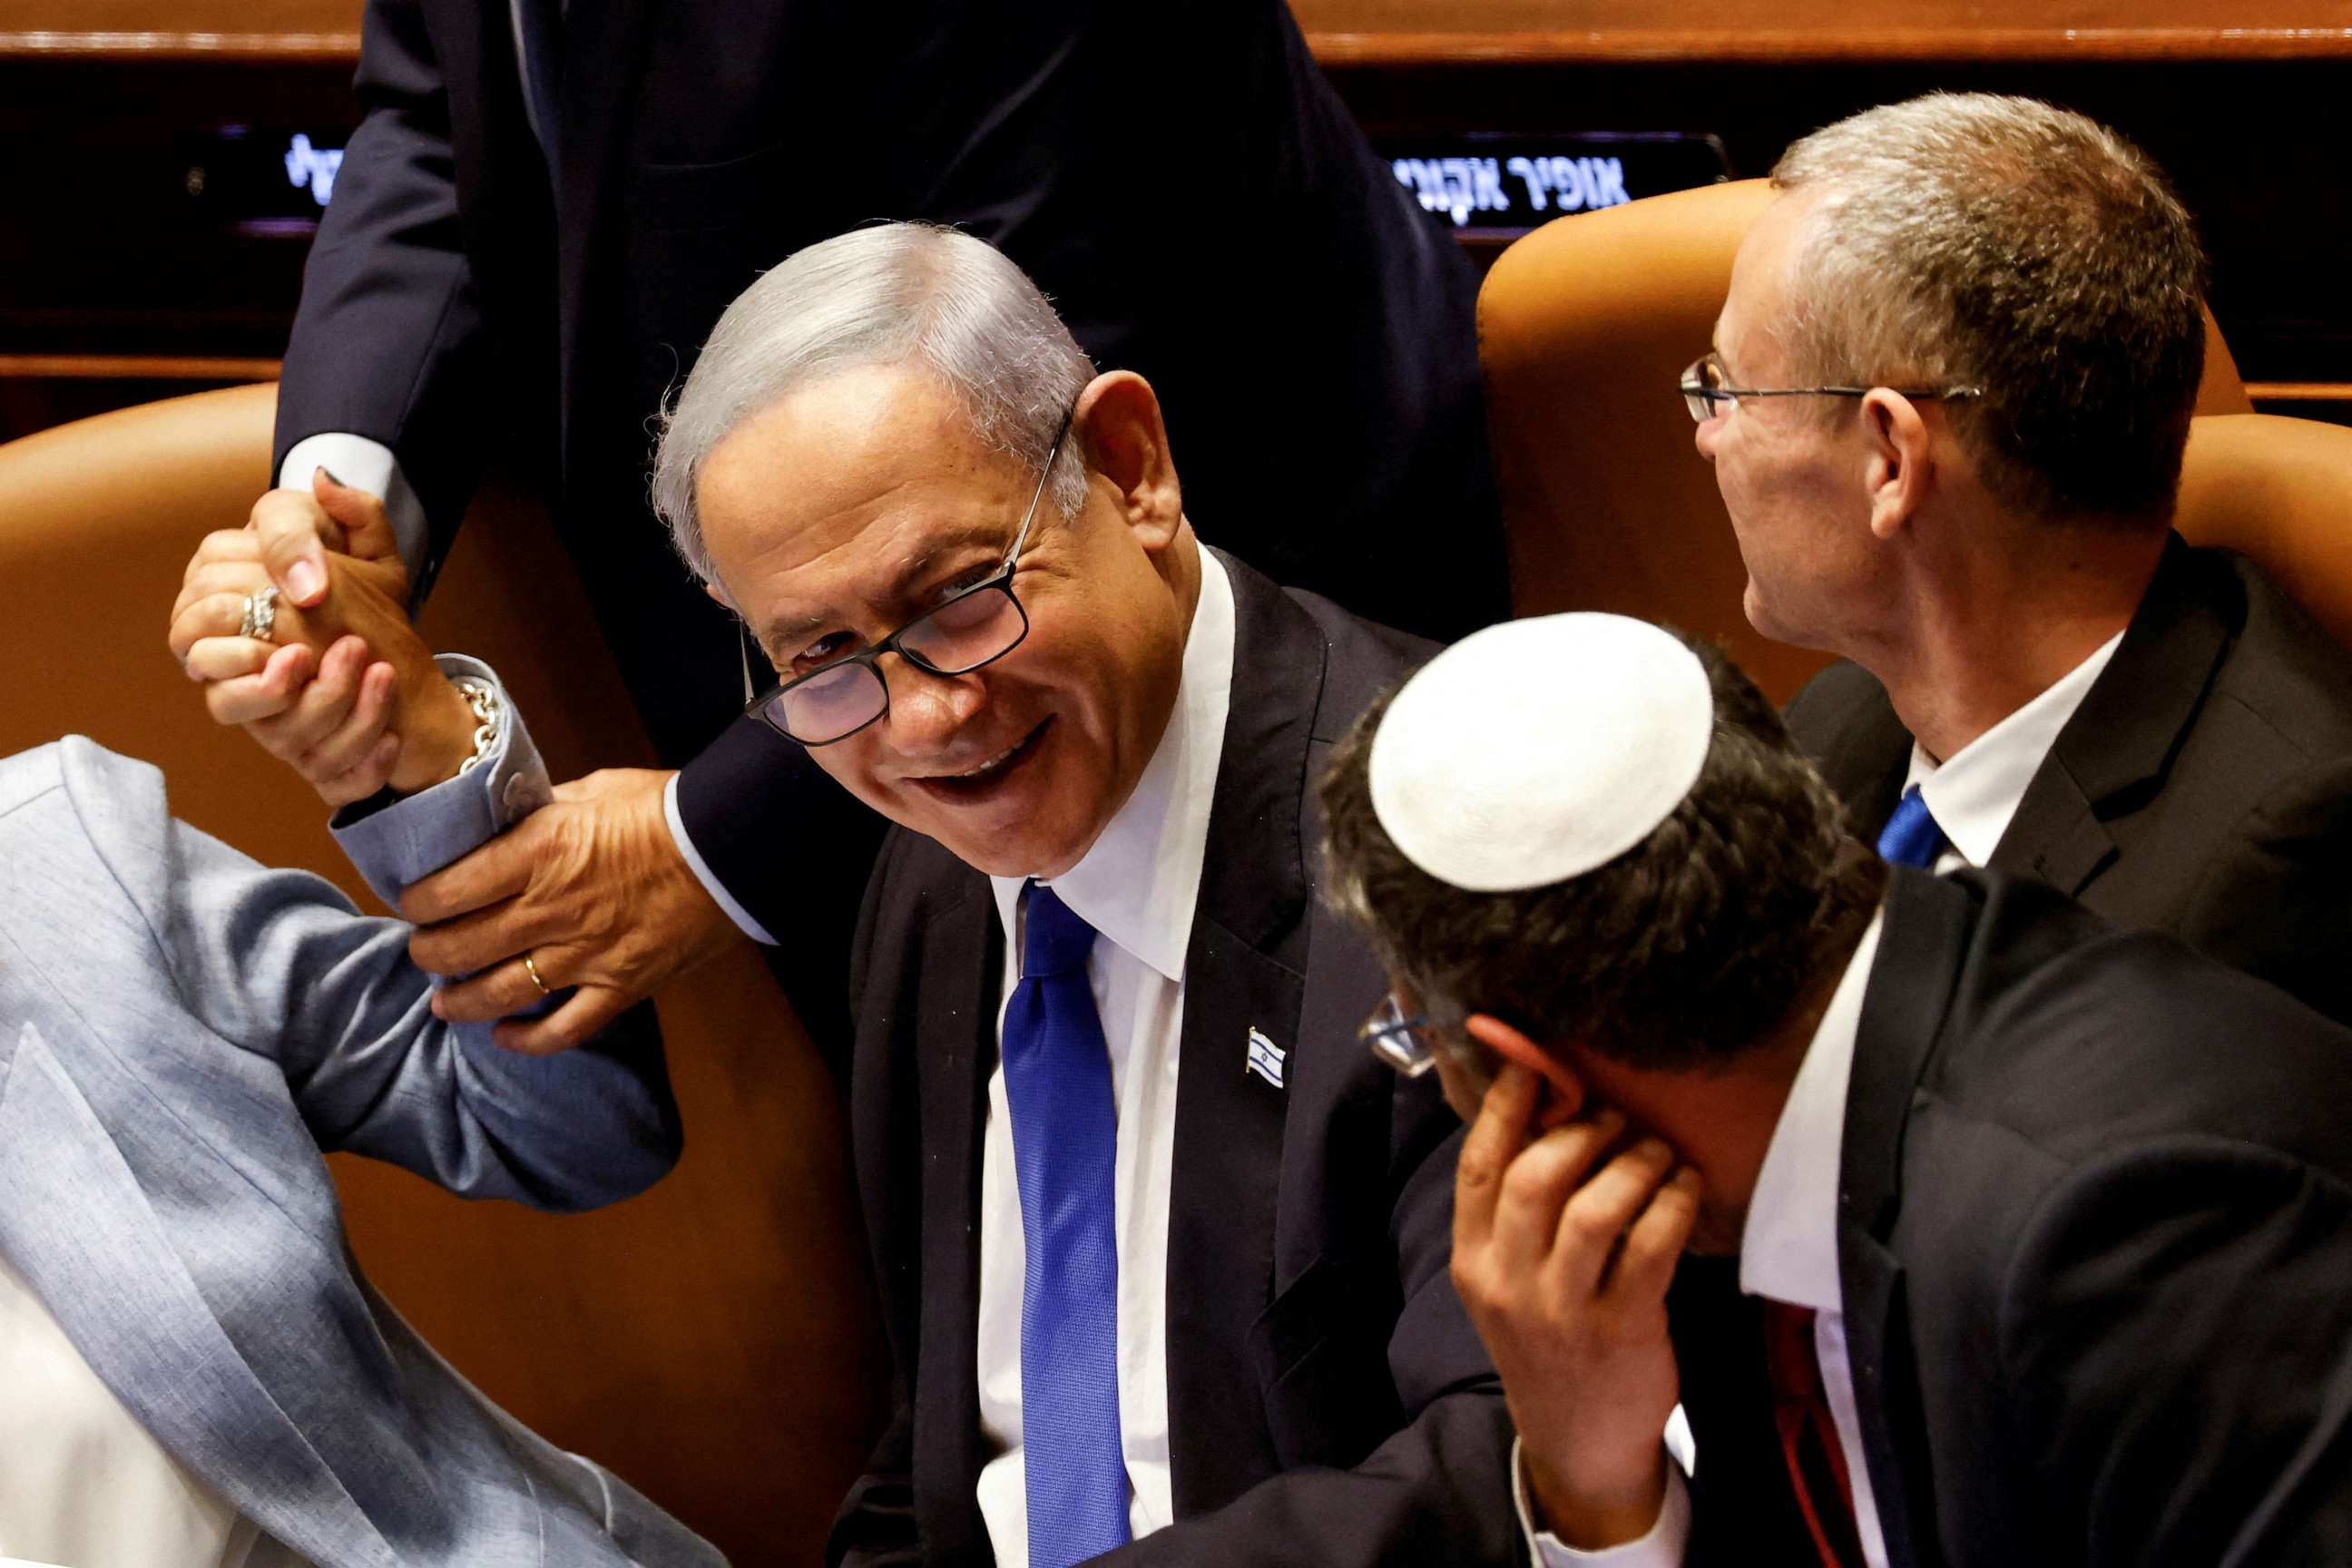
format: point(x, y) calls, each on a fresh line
point(547, 206)
point(2077, 695)
point(1161, 1252)
point(2041, 1225)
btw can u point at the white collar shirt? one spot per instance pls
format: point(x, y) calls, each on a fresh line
point(1789, 1252)
point(1137, 886)
point(1974, 793)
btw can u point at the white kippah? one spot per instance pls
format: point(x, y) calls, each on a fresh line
point(1534, 751)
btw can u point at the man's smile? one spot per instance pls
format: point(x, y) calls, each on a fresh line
point(983, 780)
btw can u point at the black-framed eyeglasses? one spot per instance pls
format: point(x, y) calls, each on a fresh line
point(1409, 1042)
point(1706, 388)
point(977, 627)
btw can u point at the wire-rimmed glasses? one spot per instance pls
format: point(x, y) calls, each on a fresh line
point(977, 627)
point(1409, 1042)
point(1706, 385)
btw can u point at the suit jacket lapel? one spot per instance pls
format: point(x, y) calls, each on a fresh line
point(2121, 741)
point(76, 1223)
point(1903, 1010)
point(960, 978)
point(1244, 971)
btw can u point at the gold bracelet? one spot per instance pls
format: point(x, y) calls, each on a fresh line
point(483, 699)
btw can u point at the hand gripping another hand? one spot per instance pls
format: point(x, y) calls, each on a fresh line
point(343, 690)
point(591, 889)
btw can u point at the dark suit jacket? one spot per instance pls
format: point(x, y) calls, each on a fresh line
point(2203, 789)
point(2094, 1240)
point(1179, 178)
point(1311, 1321)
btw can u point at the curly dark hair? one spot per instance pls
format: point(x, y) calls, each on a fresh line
point(1681, 952)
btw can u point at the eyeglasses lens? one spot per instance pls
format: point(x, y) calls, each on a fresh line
point(1703, 378)
point(966, 633)
point(1396, 1041)
point(828, 704)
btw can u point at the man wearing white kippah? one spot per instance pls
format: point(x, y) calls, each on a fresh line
point(1947, 405)
point(2026, 1269)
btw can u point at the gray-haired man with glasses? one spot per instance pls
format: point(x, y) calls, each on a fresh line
point(1947, 405)
point(1162, 1253)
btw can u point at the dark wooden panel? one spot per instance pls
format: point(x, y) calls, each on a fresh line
point(247, 29)
point(1423, 32)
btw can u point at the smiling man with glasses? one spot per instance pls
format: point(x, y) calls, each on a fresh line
point(1149, 1224)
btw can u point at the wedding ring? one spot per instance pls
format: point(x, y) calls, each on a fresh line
point(532, 969)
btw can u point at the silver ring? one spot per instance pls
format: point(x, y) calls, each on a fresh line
point(532, 969)
point(260, 615)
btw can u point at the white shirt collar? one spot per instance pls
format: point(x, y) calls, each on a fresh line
point(1788, 1251)
point(1973, 792)
point(1139, 883)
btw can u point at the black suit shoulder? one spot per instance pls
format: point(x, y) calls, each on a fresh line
point(2121, 1223)
point(1844, 723)
point(2216, 755)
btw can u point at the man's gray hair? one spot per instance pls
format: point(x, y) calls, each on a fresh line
point(900, 293)
point(1969, 239)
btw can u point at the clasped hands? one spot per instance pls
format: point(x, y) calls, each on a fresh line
point(591, 889)
point(1565, 1240)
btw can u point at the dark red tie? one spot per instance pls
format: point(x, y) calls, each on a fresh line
point(1809, 1438)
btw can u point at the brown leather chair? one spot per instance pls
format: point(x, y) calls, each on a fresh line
point(2280, 490)
point(714, 1341)
point(1582, 327)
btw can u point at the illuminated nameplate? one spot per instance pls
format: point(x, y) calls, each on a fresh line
point(1498, 186)
point(261, 181)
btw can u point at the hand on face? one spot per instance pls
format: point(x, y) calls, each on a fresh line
point(343, 691)
point(1562, 1253)
point(591, 888)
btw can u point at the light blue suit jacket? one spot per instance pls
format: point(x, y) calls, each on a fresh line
point(181, 1032)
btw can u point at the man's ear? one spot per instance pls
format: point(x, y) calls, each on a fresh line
point(1124, 439)
point(1566, 1090)
point(1899, 468)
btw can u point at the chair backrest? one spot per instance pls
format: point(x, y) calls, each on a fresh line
point(2280, 490)
point(712, 1342)
point(1582, 327)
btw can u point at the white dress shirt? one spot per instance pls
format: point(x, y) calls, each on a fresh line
point(1974, 793)
point(1787, 1253)
point(81, 1481)
point(1137, 887)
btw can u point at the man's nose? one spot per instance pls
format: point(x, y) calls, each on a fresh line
point(926, 710)
point(1705, 433)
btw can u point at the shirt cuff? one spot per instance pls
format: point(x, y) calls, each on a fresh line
point(702, 874)
point(366, 465)
point(416, 835)
point(1662, 1547)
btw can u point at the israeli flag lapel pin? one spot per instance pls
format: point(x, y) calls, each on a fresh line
point(1265, 1058)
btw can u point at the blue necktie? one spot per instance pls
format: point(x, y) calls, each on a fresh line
point(1911, 836)
point(1064, 1145)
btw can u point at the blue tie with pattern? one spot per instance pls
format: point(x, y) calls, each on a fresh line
point(1911, 836)
point(1064, 1146)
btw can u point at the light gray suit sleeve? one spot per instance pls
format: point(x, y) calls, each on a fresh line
point(280, 963)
